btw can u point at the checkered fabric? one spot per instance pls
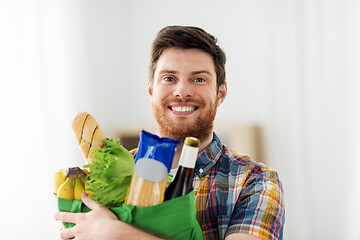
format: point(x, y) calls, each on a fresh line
point(234, 194)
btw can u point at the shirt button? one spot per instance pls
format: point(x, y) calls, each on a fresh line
point(201, 170)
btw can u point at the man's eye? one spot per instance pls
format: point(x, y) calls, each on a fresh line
point(199, 80)
point(168, 79)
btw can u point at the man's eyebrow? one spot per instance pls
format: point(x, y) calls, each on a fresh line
point(167, 71)
point(193, 73)
point(201, 71)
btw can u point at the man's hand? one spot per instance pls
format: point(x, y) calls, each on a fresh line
point(100, 223)
point(89, 225)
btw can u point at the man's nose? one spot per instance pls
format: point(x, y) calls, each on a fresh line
point(183, 89)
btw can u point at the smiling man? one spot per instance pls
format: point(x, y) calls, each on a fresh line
point(235, 197)
point(184, 94)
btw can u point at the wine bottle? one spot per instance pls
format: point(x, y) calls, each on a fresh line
point(183, 180)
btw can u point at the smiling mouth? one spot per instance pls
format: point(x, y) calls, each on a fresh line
point(183, 109)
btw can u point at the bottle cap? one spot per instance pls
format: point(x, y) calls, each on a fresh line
point(192, 142)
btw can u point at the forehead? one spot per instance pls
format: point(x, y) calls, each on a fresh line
point(176, 59)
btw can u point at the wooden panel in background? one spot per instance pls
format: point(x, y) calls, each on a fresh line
point(244, 139)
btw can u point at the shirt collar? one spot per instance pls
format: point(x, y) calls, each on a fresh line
point(208, 157)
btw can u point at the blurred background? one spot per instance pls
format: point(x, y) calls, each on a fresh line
point(293, 97)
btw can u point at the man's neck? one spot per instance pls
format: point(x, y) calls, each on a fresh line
point(203, 144)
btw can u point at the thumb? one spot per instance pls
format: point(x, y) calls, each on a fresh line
point(89, 202)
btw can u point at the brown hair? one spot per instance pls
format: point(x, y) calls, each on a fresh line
point(187, 37)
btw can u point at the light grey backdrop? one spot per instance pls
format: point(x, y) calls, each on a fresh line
point(292, 69)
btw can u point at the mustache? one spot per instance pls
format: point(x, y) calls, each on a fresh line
point(196, 102)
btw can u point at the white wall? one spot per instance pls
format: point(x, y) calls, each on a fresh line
point(292, 69)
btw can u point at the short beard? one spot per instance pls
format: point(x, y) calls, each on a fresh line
point(201, 128)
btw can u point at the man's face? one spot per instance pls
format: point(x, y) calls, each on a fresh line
point(183, 93)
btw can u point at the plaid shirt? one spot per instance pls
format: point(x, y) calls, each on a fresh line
point(236, 195)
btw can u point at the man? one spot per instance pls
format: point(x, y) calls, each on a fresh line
point(235, 198)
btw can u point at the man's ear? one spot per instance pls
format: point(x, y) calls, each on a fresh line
point(150, 88)
point(222, 92)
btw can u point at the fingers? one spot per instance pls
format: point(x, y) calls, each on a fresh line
point(67, 233)
point(89, 202)
point(68, 217)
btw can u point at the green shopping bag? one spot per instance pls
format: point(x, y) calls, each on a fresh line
point(173, 219)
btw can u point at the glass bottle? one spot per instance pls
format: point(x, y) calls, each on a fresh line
point(183, 180)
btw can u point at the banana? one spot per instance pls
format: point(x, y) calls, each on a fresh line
point(88, 189)
point(75, 172)
point(78, 189)
point(86, 171)
point(66, 190)
point(71, 183)
point(59, 178)
point(84, 179)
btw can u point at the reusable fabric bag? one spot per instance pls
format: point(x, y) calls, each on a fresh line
point(173, 219)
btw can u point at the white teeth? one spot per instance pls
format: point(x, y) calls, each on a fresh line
point(183, 108)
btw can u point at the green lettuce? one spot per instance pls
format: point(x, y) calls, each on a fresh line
point(110, 175)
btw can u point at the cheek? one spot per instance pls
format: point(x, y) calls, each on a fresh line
point(157, 96)
point(212, 97)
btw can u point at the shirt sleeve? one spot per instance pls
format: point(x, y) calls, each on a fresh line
point(259, 209)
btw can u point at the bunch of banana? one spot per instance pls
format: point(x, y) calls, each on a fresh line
point(71, 183)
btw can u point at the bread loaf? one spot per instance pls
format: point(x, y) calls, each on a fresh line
point(88, 134)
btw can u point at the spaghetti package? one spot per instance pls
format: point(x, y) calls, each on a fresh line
point(152, 165)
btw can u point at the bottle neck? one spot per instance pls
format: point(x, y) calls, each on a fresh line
point(188, 156)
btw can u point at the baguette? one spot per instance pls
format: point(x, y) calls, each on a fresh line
point(88, 134)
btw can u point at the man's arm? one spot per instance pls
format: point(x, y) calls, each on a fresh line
point(100, 223)
point(265, 220)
